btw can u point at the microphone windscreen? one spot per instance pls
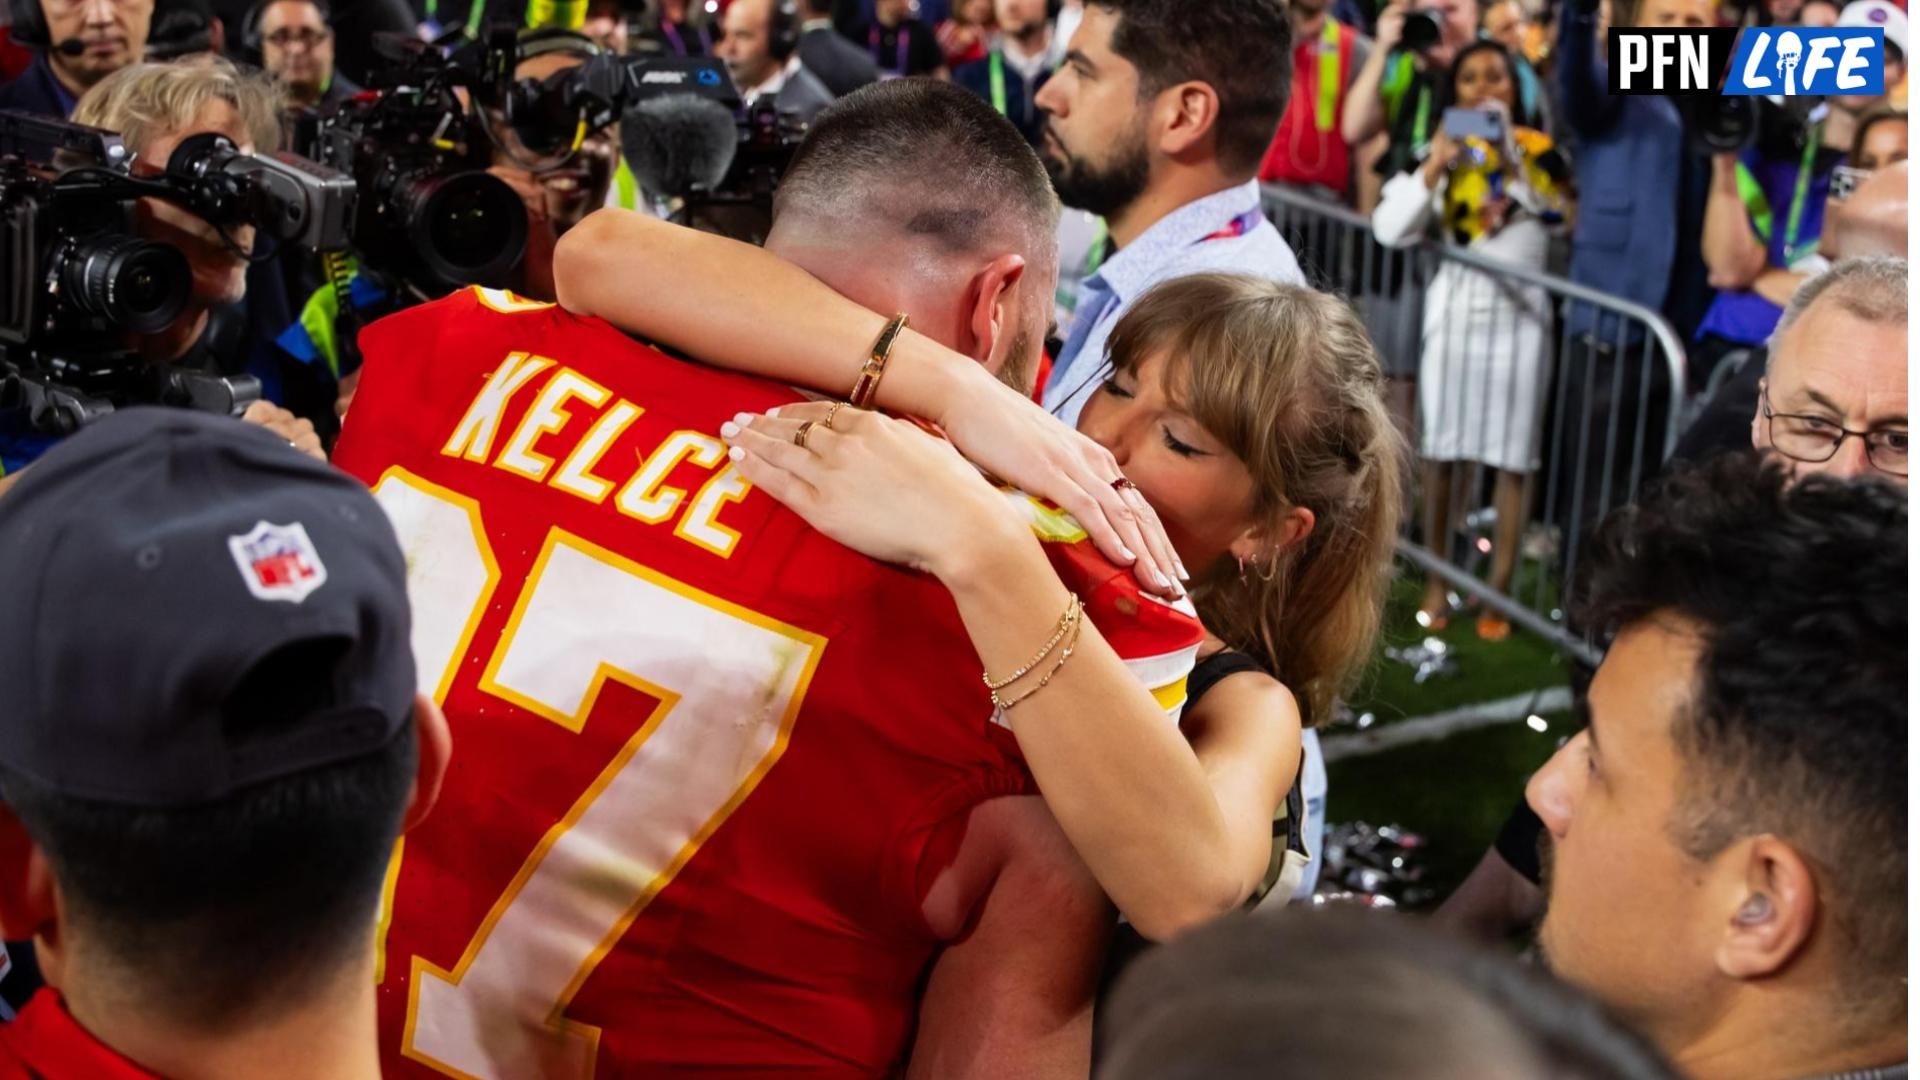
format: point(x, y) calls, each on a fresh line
point(679, 144)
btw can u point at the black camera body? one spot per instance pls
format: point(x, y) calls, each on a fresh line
point(419, 146)
point(81, 284)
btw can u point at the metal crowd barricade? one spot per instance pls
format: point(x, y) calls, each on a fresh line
point(1577, 391)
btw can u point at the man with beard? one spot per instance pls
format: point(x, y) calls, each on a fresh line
point(1729, 834)
point(1158, 120)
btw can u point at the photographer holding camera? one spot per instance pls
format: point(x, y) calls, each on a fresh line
point(77, 44)
point(1399, 87)
point(156, 107)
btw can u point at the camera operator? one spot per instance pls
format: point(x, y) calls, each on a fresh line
point(1399, 88)
point(1762, 233)
point(556, 193)
point(77, 43)
point(293, 41)
point(759, 48)
point(154, 107)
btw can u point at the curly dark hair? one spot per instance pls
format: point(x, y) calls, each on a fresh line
point(1798, 723)
point(1241, 48)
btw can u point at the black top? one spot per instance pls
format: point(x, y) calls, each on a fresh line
point(918, 54)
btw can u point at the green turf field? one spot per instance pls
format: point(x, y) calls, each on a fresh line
point(1457, 789)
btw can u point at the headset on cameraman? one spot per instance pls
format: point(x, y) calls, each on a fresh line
point(252, 42)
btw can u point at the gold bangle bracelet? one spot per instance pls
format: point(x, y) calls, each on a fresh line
point(867, 386)
point(1068, 619)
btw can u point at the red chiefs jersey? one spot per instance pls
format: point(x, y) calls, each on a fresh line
point(45, 1042)
point(706, 762)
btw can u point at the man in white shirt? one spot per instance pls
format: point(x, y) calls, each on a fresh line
point(760, 50)
point(1158, 120)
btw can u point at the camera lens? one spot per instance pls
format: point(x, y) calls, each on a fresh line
point(1722, 124)
point(132, 283)
point(1421, 31)
point(469, 228)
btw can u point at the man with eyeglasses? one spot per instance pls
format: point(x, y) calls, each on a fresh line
point(1832, 401)
point(295, 43)
point(1834, 398)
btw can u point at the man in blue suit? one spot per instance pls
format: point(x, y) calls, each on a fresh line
point(1643, 196)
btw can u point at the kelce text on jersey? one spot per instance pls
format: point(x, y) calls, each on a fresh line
point(643, 494)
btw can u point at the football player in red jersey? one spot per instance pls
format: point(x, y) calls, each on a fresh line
point(730, 797)
point(1249, 416)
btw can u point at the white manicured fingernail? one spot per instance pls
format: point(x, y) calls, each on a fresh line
point(1127, 555)
point(1160, 579)
point(729, 429)
point(775, 411)
point(736, 453)
point(1182, 567)
point(743, 419)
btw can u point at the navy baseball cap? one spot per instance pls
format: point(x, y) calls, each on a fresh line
point(190, 607)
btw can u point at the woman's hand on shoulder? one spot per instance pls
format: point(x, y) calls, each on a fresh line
point(1021, 443)
point(879, 485)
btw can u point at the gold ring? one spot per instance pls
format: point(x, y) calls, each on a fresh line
point(800, 435)
point(831, 410)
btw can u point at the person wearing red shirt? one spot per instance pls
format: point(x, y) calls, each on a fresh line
point(211, 743)
point(1308, 150)
point(733, 797)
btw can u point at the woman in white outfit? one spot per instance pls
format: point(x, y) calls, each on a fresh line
point(1483, 364)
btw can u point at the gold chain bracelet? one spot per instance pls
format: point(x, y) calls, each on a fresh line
point(1067, 619)
point(1006, 705)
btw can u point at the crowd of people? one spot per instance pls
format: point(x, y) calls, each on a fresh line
point(898, 646)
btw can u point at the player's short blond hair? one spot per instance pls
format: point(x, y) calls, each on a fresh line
point(141, 101)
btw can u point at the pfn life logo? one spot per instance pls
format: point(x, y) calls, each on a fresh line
point(1771, 61)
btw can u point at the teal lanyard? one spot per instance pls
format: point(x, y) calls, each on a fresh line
point(1097, 254)
point(997, 81)
point(1792, 248)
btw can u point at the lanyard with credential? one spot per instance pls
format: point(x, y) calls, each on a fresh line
point(1792, 249)
point(1323, 106)
point(1421, 112)
point(997, 81)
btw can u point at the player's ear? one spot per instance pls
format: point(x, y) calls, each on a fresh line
point(27, 905)
point(993, 316)
point(435, 741)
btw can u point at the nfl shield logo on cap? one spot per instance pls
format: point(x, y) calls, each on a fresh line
point(278, 562)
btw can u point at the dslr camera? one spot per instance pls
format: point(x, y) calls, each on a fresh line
point(81, 284)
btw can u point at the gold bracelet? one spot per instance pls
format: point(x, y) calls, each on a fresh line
point(1067, 618)
point(1006, 705)
point(867, 386)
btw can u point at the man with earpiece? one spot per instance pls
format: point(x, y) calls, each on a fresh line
point(1726, 858)
point(292, 40)
point(77, 43)
point(760, 48)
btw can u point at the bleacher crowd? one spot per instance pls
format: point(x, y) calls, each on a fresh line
point(898, 645)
